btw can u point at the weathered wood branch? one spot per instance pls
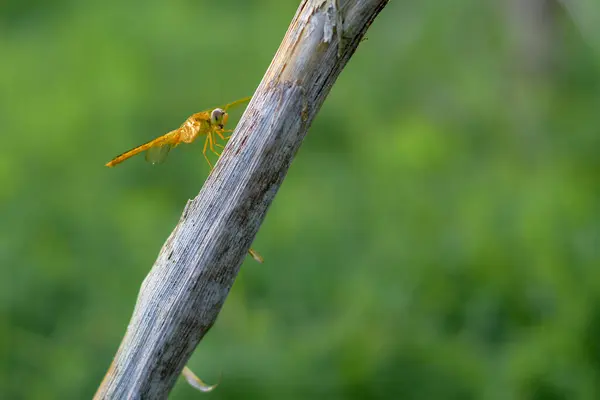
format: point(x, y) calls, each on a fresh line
point(182, 295)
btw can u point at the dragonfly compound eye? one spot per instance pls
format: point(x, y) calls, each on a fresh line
point(216, 116)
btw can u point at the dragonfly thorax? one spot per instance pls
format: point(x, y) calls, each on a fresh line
point(191, 128)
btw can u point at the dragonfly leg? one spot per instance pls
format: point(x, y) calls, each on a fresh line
point(211, 142)
point(215, 139)
point(220, 133)
point(227, 131)
point(204, 153)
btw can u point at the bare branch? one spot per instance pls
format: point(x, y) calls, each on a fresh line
point(182, 295)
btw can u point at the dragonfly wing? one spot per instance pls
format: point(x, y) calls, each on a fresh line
point(236, 103)
point(158, 154)
point(229, 105)
point(233, 104)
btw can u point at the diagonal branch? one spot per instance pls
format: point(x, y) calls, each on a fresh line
point(182, 295)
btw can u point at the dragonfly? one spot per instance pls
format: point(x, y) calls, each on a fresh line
point(210, 122)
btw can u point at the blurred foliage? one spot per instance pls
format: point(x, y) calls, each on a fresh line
point(437, 237)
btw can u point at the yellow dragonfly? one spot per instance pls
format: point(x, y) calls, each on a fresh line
point(209, 122)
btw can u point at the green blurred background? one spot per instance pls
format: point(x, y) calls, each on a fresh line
point(437, 236)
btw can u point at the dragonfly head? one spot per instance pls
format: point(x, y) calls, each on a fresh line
point(218, 117)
